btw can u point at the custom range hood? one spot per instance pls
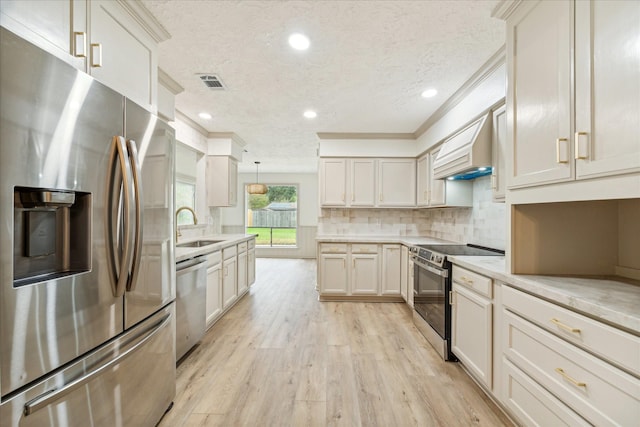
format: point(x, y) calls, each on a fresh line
point(467, 153)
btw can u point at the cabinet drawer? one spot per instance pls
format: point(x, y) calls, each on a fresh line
point(596, 390)
point(333, 248)
point(252, 243)
point(242, 247)
point(364, 248)
point(620, 347)
point(532, 404)
point(229, 252)
point(480, 284)
point(214, 258)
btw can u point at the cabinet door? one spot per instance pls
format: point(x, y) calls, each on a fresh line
point(404, 272)
point(233, 182)
point(362, 182)
point(423, 181)
point(57, 26)
point(243, 284)
point(499, 155)
point(121, 54)
point(437, 195)
point(333, 274)
point(397, 182)
point(410, 273)
point(214, 293)
point(251, 267)
point(539, 39)
point(471, 332)
point(364, 276)
point(222, 181)
point(607, 88)
point(333, 179)
point(391, 282)
point(229, 282)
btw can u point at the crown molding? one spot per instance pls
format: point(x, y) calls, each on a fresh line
point(356, 135)
point(142, 16)
point(228, 135)
point(492, 64)
point(165, 80)
point(505, 8)
point(183, 118)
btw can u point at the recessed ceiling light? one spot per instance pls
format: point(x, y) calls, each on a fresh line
point(310, 114)
point(429, 93)
point(205, 116)
point(299, 41)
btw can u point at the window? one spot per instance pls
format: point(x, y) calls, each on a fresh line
point(186, 165)
point(185, 196)
point(274, 216)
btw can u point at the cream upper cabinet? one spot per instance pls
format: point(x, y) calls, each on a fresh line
point(121, 54)
point(422, 194)
point(362, 182)
point(101, 37)
point(222, 181)
point(57, 26)
point(436, 186)
point(397, 182)
point(552, 138)
point(607, 131)
point(499, 155)
point(333, 182)
point(539, 40)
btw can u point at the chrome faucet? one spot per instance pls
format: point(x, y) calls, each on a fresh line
point(195, 219)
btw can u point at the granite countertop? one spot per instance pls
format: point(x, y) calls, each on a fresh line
point(388, 238)
point(613, 300)
point(225, 240)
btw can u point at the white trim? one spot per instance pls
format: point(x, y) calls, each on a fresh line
point(165, 80)
point(147, 21)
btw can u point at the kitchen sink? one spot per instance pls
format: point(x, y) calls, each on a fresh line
point(197, 243)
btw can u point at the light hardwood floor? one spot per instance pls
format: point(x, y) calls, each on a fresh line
point(282, 358)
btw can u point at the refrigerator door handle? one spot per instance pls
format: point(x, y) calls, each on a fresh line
point(119, 267)
point(51, 396)
point(137, 187)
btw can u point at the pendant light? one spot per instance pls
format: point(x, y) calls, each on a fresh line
point(257, 188)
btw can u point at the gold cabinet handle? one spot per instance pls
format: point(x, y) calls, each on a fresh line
point(570, 379)
point(580, 137)
point(559, 157)
point(467, 281)
point(561, 325)
point(79, 44)
point(380, 196)
point(96, 55)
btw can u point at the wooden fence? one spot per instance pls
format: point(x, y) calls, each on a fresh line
point(272, 218)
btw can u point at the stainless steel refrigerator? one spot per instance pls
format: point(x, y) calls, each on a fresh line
point(87, 323)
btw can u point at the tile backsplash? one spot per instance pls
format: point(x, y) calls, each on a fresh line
point(483, 224)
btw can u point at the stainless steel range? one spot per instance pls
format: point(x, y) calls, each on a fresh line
point(432, 288)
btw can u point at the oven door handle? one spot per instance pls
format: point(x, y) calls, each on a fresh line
point(436, 271)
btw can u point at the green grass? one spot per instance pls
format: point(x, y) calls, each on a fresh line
point(281, 236)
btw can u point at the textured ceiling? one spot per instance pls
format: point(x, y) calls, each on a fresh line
point(368, 63)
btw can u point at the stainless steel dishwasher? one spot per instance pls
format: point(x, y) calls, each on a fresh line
point(191, 286)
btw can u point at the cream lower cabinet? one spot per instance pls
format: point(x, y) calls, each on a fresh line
point(214, 288)
point(360, 270)
point(243, 278)
point(561, 365)
point(472, 323)
point(392, 271)
point(251, 262)
point(404, 273)
point(229, 277)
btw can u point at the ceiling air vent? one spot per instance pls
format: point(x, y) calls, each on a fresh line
point(212, 81)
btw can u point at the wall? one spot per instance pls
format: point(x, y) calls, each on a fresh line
point(484, 224)
point(233, 218)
